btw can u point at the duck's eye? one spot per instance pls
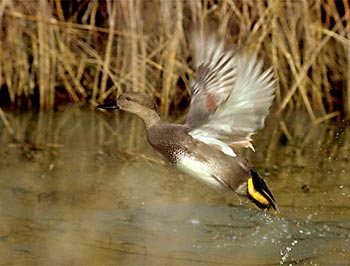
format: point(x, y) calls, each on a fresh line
point(128, 98)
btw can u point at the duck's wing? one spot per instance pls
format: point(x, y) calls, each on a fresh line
point(214, 82)
point(248, 92)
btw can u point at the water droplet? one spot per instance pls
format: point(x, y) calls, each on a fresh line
point(194, 221)
point(309, 217)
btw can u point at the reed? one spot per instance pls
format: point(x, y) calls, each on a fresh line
point(55, 52)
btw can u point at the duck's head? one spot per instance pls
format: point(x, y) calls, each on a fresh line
point(137, 103)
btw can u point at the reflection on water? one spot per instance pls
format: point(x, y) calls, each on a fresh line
point(84, 187)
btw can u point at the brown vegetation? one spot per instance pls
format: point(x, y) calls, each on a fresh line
point(54, 52)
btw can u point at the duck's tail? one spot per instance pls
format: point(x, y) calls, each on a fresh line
point(258, 191)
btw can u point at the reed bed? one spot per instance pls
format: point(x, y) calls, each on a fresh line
point(55, 52)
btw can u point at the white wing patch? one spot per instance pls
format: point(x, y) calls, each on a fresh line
point(201, 136)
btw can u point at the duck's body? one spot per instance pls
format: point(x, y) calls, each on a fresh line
point(197, 158)
point(230, 100)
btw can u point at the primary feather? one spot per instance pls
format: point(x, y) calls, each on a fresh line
point(231, 95)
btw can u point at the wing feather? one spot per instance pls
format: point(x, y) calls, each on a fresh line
point(231, 95)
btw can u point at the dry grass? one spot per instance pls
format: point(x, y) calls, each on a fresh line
point(55, 52)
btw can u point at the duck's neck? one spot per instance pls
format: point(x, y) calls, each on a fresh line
point(150, 118)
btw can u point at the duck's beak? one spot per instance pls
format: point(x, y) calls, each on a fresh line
point(112, 105)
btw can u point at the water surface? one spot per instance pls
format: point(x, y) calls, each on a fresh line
point(84, 187)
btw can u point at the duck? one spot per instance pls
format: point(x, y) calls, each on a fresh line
point(231, 96)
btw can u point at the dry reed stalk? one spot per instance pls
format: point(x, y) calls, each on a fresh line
point(97, 49)
point(112, 11)
point(302, 88)
point(142, 58)
point(285, 131)
point(95, 85)
point(346, 41)
point(96, 60)
point(347, 100)
point(302, 74)
point(44, 61)
point(14, 61)
point(173, 30)
point(262, 27)
point(273, 143)
point(71, 92)
point(6, 123)
point(76, 26)
point(134, 14)
point(326, 117)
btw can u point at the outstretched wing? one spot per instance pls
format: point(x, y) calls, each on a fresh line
point(214, 82)
point(247, 90)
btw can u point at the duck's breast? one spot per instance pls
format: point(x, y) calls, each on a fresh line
point(198, 169)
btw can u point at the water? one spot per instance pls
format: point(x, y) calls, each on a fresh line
point(83, 187)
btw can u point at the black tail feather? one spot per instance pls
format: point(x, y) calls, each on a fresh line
point(260, 186)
